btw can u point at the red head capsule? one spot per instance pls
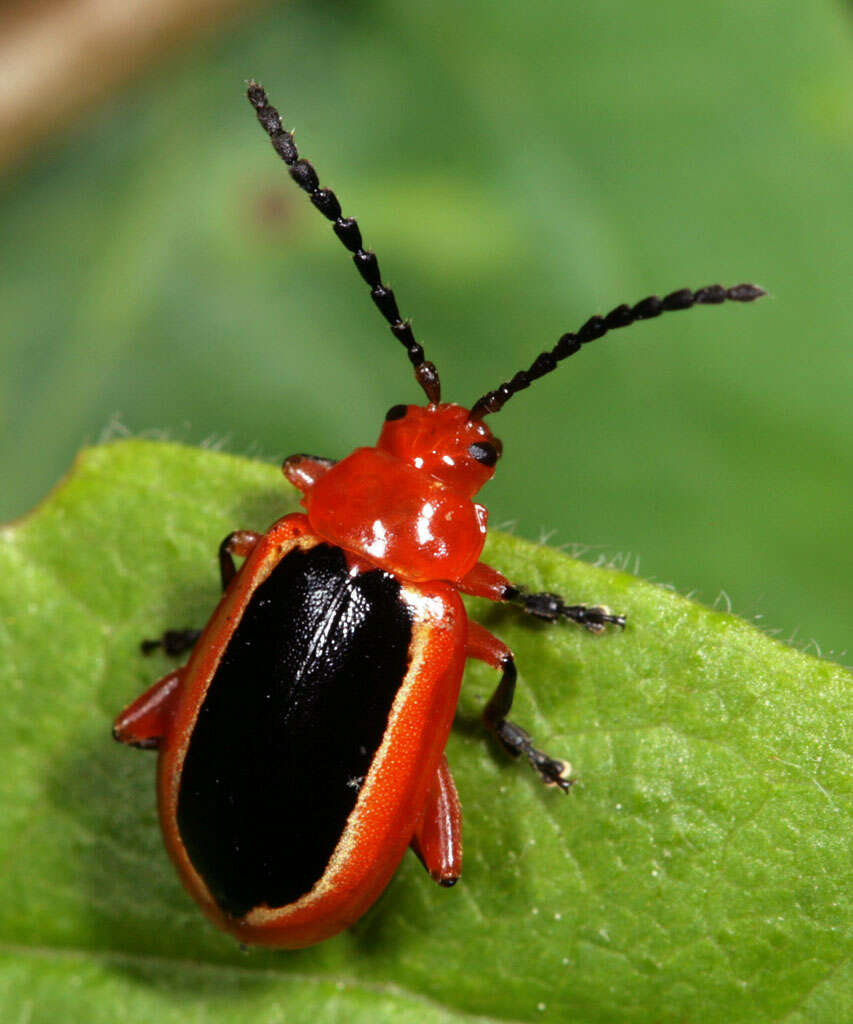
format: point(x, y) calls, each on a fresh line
point(301, 748)
point(442, 441)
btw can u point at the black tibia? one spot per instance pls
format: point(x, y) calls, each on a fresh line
point(552, 608)
point(516, 740)
point(347, 230)
point(174, 642)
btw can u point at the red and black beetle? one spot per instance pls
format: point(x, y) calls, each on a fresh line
point(325, 683)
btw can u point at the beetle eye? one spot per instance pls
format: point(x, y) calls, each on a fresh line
point(396, 412)
point(484, 453)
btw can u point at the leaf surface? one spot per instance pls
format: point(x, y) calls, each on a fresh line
point(698, 871)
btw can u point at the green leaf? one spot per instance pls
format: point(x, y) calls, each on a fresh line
point(698, 871)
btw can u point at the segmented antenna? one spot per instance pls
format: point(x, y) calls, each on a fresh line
point(598, 326)
point(348, 232)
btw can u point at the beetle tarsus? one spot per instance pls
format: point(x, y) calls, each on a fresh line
point(173, 642)
point(517, 741)
point(551, 608)
point(151, 743)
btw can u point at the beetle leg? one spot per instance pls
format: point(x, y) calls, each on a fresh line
point(146, 721)
point(438, 838)
point(176, 642)
point(552, 608)
point(484, 581)
point(303, 471)
point(239, 543)
point(482, 645)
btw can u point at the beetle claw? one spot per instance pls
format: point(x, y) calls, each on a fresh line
point(598, 617)
point(174, 642)
point(557, 773)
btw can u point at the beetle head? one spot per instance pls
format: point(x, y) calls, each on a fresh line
point(444, 441)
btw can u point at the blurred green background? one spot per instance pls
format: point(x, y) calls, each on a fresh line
point(516, 168)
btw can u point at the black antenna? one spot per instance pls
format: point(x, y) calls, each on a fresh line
point(348, 232)
point(598, 326)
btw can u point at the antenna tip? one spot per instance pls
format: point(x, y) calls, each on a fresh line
point(745, 292)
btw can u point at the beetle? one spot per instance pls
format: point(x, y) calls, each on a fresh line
point(301, 748)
